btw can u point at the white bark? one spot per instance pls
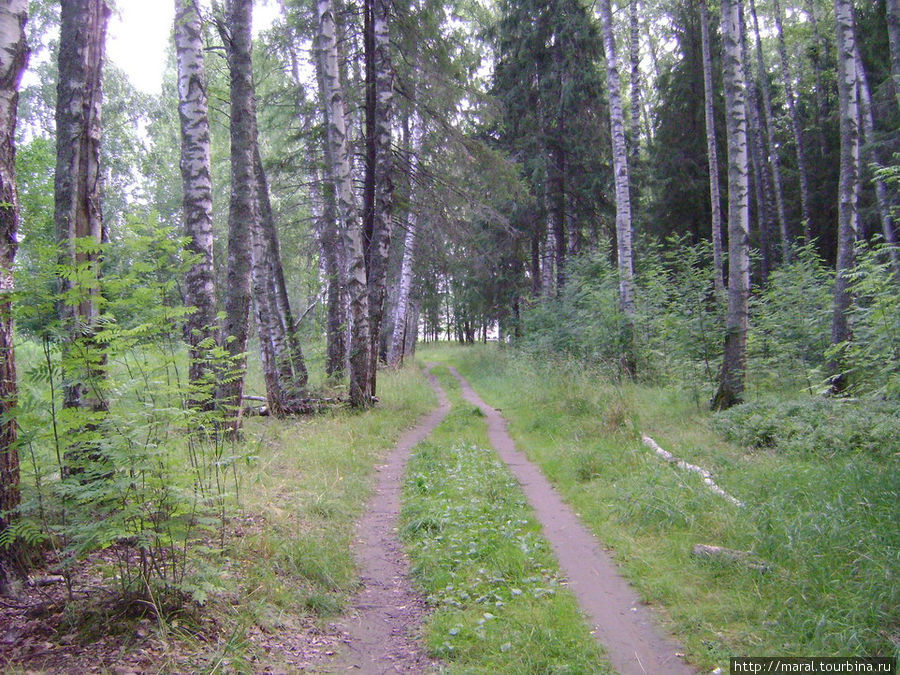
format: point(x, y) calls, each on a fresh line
point(359, 349)
point(396, 348)
point(712, 153)
point(731, 378)
point(848, 186)
point(620, 163)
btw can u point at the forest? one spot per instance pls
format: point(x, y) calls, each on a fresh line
point(658, 237)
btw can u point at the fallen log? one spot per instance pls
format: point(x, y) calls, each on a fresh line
point(303, 406)
point(729, 555)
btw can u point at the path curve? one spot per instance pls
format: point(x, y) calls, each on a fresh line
point(621, 624)
point(387, 612)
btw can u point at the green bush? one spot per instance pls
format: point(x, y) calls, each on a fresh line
point(815, 426)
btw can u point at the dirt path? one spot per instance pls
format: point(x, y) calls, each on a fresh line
point(387, 611)
point(622, 625)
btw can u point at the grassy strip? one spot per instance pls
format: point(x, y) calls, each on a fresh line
point(302, 499)
point(477, 551)
point(826, 522)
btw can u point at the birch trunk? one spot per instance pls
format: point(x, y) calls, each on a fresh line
point(771, 145)
point(13, 59)
point(360, 341)
point(796, 125)
point(762, 186)
point(882, 195)
point(242, 211)
point(731, 377)
point(712, 153)
point(397, 346)
point(291, 366)
point(199, 292)
point(893, 23)
point(848, 186)
point(620, 163)
point(77, 184)
point(383, 205)
point(634, 52)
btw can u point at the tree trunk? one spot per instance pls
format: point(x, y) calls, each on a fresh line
point(620, 163)
point(731, 377)
point(382, 172)
point(848, 187)
point(242, 212)
point(15, 50)
point(893, 23)
point(396, 349)
point(360, 344)
point(199, 292)
point(77, 199)
point(289, 360)
point(819, 52)
point(796, 125)
point(771, 144)
point(634, 52)
point(881, 190)
point(762, 186)
point(712, 152)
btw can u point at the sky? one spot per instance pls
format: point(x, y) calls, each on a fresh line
point(138, 36)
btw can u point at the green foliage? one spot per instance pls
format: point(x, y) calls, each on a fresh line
point(873, 352)
point(791, 323)
point(815, 426)
point(137, 472)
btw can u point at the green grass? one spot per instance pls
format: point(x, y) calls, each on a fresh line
point(477, 552)
point(826, 522)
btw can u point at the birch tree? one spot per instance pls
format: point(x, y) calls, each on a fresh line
point(351, 226)
point(381, 225)
point(199, 286)
point(13, 59)
point(882, 195)
point(77, 183)
point(796, 125)
point(397, 343)
point(893, 23)
point(620, 163)
point(242, 210)
point(731, 376)
point(848, 187)
point(771, 145)
point(712, 153)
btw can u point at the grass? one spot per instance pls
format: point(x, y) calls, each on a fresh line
point(477, 552)
point(826, 522)
point(310, 485)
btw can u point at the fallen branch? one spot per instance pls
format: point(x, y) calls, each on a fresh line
point(303, 406)
point(706, 475)
point(49, 580)
point(305, 313)
point(729, 555)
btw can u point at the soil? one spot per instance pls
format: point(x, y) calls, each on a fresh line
point(387, 613)
point(621, 623)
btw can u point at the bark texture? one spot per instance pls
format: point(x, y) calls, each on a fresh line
point(351, 225)
point(893, 22)
point(882, 194)
point(731, 377)
point(193, 112)
point(378, 249)
point(771, 144)
point(77, 184)
point(712, 153)
point(13, 59)
point(848, 186)
point(242, 210)
point(620, 162)
point(796, 124)
point(397, 346)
